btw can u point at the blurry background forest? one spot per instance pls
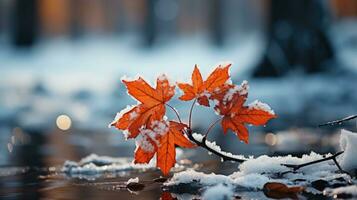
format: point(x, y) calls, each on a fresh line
point(61, 62)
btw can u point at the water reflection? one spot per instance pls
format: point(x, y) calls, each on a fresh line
point(34, 168)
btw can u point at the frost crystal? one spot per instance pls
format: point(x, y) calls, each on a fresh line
point(238, 89)
point(160, 127)
point(144, 140)
point(133, 115)
point(149, 137)
point(120, 114)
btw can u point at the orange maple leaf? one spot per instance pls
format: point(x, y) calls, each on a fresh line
point(162, 143)
point(151, 107)
point(230, 104)
point(203, 89)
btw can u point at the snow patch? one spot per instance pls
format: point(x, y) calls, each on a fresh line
point(238, 89)
point(218, 192)
point(149, 137)
point(261, 106)
point(162, 77)
point(254, 173)
point(94, 165)
point(351, 190)
point(190, 176)
point(348, 144)
point(133, 180)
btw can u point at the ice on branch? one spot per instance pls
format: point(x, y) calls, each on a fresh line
point(255, 172)
point(212, 145)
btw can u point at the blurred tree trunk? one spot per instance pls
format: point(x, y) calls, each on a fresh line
point(297, 38)
point(150, 25)
point(216, 22)
point(25, 24)
point(75, 24)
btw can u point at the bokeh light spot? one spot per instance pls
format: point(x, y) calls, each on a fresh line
point(271, 139)
point(63, 122)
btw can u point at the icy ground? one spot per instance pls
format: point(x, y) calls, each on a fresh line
point(94, 166)
point(319, 179)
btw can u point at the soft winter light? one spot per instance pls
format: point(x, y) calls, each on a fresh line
point(63, 122)
point(271, 139)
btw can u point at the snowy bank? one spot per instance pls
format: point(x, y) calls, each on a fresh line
point(348, 144)
point(94, 165)
point(254, 173)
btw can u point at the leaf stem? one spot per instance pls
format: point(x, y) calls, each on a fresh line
point(210, 128)
point(190, 115)
point(175, 111)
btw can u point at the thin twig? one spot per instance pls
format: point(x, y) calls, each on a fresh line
point(190, 115)
point(336, 122)
point(339, 167)
point(175, 111)
point(296, 167)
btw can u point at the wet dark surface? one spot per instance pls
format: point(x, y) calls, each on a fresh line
point(33, 167)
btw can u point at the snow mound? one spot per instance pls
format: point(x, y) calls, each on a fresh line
point(218, 192)
point(348, 144)
point(255, 172)
point(347, 190)
point(94, 165)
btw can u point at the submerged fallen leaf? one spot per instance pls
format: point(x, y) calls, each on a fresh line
point(280, 190)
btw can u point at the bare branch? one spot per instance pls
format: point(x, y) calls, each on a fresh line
point(225, 157)
point(203, 144)
point(296, 167)
point(337, 122)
